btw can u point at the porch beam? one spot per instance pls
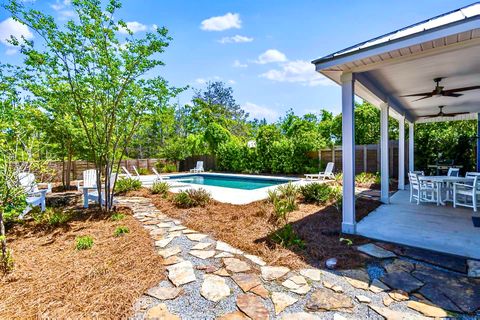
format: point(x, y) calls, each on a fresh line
point(411, 147)
point(384, 197)
point(401, 153)
point(348, 153)
point(478, 142)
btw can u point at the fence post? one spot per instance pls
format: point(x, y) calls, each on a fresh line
point(319, 159)
point(333, 154)
point(365, 158)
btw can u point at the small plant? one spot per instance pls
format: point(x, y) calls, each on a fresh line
point(199, 197)
point(287, 237)
point(283, 199)
point(347, 241)
point(182, 200)
point(288, 190)
point(83, 243)
point(319, 193)
point(117, 216)
point(127, 184)
point(161, 188)
point(121, 230)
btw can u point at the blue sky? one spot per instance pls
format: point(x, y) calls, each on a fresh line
point(262, 49)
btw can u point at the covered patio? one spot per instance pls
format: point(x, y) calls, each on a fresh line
point(409, 74)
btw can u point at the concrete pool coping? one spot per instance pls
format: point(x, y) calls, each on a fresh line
point(230, 195)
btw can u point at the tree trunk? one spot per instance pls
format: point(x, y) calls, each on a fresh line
point(68, 170)
point(4, 243)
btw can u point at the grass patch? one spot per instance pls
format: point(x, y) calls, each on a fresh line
point(83, 243)
point(52, 217)
point(287, 237)
point(192, 198)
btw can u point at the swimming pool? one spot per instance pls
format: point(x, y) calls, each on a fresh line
point(231, 181)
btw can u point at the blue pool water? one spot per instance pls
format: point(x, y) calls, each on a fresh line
point(235, 182)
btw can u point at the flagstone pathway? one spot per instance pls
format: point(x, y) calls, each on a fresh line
point(209, 279)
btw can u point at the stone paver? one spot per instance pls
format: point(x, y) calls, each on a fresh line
point(281, 301)
point(252, 306)
point(236, 265)
point(181, 273)
point(202, 254)
point(312, 274)
point(164, 293)
point(326, 300)
point(214, 288)
point(273, 273)
point(376, 251)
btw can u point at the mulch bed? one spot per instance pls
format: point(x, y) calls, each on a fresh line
point(247, 227)
point(52, 279)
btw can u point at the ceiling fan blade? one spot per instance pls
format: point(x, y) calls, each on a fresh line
point(455, 114)
point(461, 89)
point(451, 94)
point(426, 97)
point(418, 94)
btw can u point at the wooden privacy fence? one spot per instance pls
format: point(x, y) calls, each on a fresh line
point(367, 158)
point(209, 163)
point(78, 166)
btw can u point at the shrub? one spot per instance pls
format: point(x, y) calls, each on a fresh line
point(287, 237)
point(83, 243)
point(160, 187)
point(367, 178)
point(121, 230)
point(51, 216)
point(182, 200)
point(192, 198)
point(199, 197)
point(117, 216)
point(166, 167)
point(288, 190)
point(143, 171)
point(319, 193)
point(283, 199)
point(127, 184)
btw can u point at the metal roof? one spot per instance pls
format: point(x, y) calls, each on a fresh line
point(468, 12)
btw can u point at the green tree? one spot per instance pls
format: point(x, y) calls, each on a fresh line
point(102, 73)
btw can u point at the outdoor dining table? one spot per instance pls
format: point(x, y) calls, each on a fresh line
point(440, 182)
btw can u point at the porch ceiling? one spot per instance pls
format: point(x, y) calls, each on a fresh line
point(385, 70)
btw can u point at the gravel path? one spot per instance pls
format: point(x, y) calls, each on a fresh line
point(330, 295)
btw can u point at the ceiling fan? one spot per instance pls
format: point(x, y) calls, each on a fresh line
point(442, 114)
point(439, 91)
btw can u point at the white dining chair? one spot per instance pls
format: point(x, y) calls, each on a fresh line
point(466, 195)
point(453, 172)
point(421, 191)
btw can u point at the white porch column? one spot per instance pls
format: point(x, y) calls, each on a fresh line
point(348, 153)
point(384, 153)
point(411, 145)
point(401, 153)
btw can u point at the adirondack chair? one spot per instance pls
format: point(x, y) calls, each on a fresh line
point(90, 193)
point(327, 174)
point(89, 179)
point(143, 179)
point(198, 167)
point(35, 196)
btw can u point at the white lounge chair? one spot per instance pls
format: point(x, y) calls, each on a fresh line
point(143, 179)
point(89, 179)
point(35, 196)
point(159, 176)
point(466, 195)
point(327, 174)
point(198, 168)
point(90, 193)
point(421, 191)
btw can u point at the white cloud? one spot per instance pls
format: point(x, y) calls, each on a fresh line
point(63, 10)
point(202, 81)
point(260, 112)
point(235, 39)
point(133, 26)
point(298, 71)
point(220, 23)
point(10, 27)
point(271, 55)
point(238, 64)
